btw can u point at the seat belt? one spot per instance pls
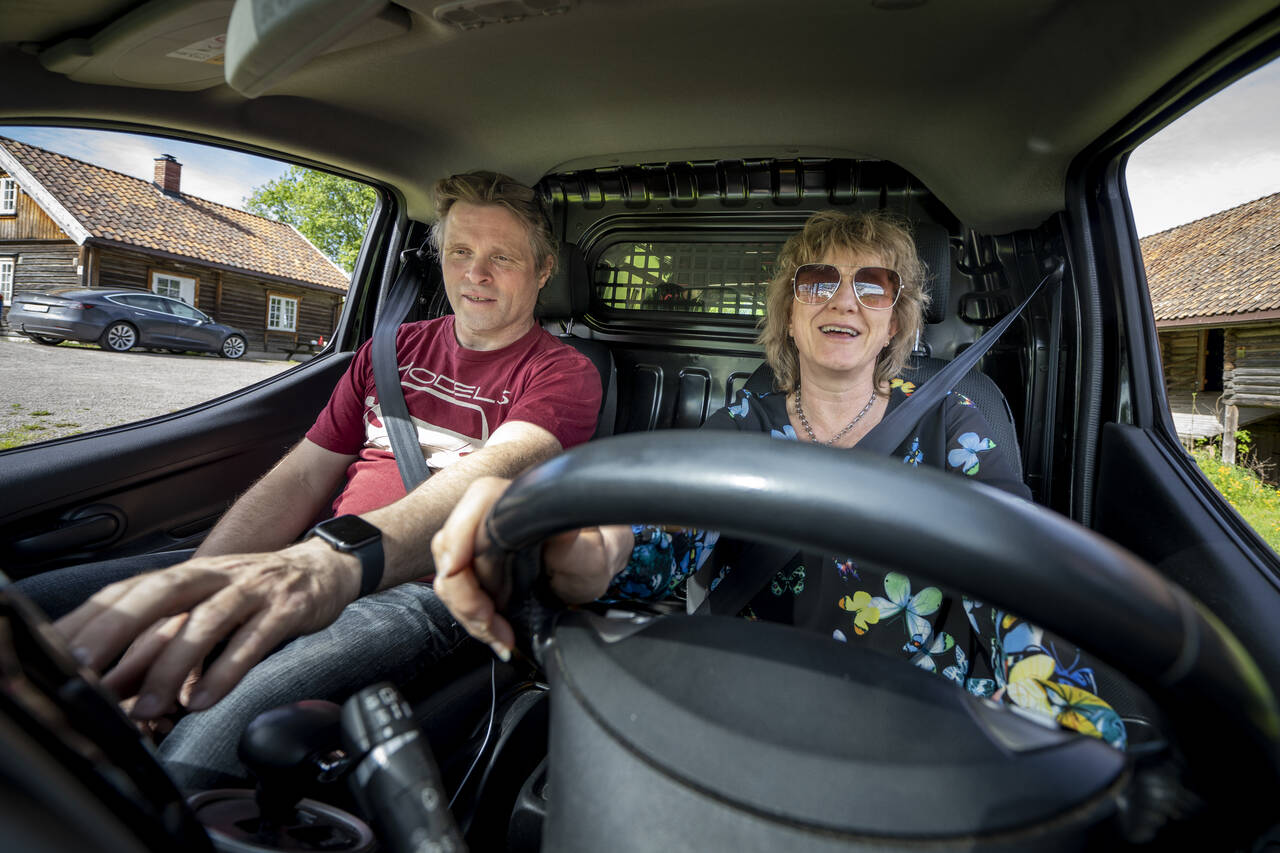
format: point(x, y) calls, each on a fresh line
point(760, 561)
point(386, 368)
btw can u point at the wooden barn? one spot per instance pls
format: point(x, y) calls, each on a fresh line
point(1215, 290)
point(68, 224)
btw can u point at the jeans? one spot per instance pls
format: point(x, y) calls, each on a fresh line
point(394, 635)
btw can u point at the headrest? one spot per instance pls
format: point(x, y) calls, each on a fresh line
point(934, 247)
point(568, 291)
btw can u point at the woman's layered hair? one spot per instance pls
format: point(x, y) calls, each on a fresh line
point(874, 234)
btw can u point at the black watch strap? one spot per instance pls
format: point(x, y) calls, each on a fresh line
point(371, 566)
point(353, 535)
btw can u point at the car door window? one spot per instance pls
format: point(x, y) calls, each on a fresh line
point(218, 238)
point(150, 303)
point(186, 312)
point(1205, 193)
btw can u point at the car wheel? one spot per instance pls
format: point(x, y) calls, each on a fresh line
point(234, 346)
point(47, 340)
point(119, 337)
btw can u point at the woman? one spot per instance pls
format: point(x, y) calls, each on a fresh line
point(843, 312)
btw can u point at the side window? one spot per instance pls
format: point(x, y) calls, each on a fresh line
point(183, 310)
point(1206, 200)
point(103, 223)
point(150, 303)
point(282, 313)
point(8, 197)
point(6, 281)
point(133, 301)
point(174, 286)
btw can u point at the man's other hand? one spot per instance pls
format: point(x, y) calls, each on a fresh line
point(253, 602)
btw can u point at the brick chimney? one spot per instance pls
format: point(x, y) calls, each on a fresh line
point(168, 176)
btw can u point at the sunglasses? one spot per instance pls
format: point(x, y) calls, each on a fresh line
point(876, 288)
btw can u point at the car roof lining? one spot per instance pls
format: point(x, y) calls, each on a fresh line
point(1006, 86)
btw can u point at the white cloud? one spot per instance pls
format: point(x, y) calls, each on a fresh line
point(227, 177)
point(1226, 151)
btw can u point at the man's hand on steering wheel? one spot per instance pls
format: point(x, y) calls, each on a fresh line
point(579, 564)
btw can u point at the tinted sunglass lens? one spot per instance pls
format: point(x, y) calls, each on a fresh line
point(816, 282)
point(877, 287)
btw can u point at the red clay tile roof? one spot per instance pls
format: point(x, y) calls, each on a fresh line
point(1225, 264)
point(128, 210)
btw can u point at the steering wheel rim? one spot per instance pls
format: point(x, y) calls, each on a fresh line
point(1043, 566)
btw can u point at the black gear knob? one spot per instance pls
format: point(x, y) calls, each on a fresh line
point(281, 748)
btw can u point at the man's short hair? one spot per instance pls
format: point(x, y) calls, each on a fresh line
point(484, 187)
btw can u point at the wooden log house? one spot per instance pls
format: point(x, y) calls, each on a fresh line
point(67, 224)
point(1215, 292)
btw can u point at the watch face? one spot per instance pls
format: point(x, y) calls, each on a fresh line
point(351, 531)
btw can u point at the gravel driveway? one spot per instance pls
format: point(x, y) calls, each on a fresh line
point(49, 392)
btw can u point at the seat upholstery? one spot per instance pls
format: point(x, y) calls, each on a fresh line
point(565, 297)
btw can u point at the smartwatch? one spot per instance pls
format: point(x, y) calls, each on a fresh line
point(351, 534)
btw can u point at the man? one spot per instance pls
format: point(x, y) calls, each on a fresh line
point(490, 393)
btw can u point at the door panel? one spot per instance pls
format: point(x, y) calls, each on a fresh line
point(151, 486)
point(1152, 500)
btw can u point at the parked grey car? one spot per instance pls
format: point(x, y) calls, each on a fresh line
point(120, 320)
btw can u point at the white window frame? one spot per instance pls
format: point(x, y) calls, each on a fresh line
point(6, 281)
point(162, 284)
point(282, 313)
point(8, 196)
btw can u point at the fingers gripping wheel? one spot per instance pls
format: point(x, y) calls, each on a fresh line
point(523, 594)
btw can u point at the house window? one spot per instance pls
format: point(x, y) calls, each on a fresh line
point(174, 287)
point(6, 282)
point(8, 196)
point(282, 313)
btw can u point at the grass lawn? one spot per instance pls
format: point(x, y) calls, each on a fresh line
point(1257, 502)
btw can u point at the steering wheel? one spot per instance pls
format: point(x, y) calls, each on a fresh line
point(966, 536)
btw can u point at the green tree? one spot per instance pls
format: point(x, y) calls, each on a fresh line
point(330, 211)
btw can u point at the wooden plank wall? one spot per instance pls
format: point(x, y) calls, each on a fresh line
point(41, 267)
point(30, 222)
point(244, 305)
point(1180, 355)
point(1252, 368)
point(120, 268)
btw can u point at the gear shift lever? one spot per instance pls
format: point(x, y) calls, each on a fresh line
point(280, 748)
point(284, 749)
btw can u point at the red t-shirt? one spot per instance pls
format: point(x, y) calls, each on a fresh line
point(456, 398)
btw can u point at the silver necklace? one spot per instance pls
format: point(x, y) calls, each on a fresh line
point(804, 422)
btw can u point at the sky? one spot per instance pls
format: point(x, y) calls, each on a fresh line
point(1219, 155)
point(1223, 153)
point(227, 177)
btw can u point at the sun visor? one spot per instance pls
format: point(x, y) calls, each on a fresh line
point(189, 46)
point(268, 40)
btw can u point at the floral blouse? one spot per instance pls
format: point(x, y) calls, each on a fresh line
point(985, 650)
